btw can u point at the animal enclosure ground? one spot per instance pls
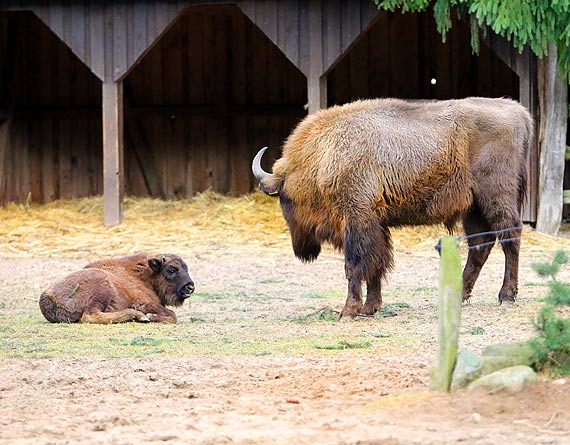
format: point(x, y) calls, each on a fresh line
point(257, 357)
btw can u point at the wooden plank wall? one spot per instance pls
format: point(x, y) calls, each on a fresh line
point(109, 37)
point(53, 108)
point(387, 62)
point(212, 92)
point(206, 97)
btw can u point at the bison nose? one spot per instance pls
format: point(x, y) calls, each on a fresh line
point(189, 288)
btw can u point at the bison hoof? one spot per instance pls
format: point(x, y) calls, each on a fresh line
point(348, 314)
point(466, 301)
point(143, 319)
point(507, 300)
point(370, 309)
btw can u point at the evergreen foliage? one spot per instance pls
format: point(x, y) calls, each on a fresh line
point(552, 344)
point(523, 22)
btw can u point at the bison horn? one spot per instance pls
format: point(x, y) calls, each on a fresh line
point(258, 172)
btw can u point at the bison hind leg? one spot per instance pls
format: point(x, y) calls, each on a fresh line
point(55, 311)
point(114, 317)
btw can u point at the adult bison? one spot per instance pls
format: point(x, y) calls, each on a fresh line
point(115, 290)
point(350, 172)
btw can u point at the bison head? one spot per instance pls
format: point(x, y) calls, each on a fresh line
point(171, 279)
point(306, 245)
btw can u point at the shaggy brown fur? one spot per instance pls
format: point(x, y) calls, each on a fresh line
point(350, 172)
point(112, 291)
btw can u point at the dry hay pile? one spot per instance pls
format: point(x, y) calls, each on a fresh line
point(74, 228)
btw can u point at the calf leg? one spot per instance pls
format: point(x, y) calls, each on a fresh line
point(473, 223)
point(160, 314)
point(368, 256)
point(119, 316)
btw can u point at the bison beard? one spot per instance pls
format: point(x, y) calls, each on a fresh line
point(117, 290)
point(350, 172)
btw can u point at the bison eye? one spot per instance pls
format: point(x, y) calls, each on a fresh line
point(171, 271)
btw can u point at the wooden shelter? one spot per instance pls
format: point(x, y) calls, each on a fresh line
point(173, 98)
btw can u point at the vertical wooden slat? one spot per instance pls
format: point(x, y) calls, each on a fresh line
point(96, 29)
point(36, 154)
point(379, 57)
point(50, 177)
point(332, 47)
point(5, 135)
point(195, 58)
point(316, 82)
point(120, 52)
point(140, 29)
point(77, 29)
point(113, 152)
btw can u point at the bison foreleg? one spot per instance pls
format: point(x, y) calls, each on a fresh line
point(353, 303)
point(368, 256)
point(114, 317)
point(161, 315)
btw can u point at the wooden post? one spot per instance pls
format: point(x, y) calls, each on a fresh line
point(317, 81)
point(450, 288)
point(553, 99)
point(113, 176)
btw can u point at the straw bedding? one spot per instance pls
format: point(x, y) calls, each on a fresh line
point(74, 228)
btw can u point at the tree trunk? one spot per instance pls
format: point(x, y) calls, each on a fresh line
point(552, 97)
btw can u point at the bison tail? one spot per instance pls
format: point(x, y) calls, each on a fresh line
point(55, 313)
point(523, 172)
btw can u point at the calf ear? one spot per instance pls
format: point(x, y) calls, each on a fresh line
point(155, 264)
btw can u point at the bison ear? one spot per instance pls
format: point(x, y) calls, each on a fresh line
point(155, 264)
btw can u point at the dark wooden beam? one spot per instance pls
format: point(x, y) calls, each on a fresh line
point(113, 171)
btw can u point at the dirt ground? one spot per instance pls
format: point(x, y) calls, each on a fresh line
point(256, 374)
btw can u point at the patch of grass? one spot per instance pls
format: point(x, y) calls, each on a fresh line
point(389, 310)
point(533, 284)
point(379, 334)
point(399, 304)
point(209, 296)
point(323, 295)
point(271, 281)
point(477, 330)
point(141, 340)
point(346, 345)
point(326, 314)
point(425, 290)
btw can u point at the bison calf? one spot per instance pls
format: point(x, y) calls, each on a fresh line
point(116, 290)
point(350, 172)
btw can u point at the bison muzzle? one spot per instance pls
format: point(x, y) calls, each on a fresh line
point(135, 288)
point(350, 172)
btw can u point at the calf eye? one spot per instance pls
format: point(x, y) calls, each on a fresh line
point(171, 271)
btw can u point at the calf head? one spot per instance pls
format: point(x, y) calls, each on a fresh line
point(170, 278)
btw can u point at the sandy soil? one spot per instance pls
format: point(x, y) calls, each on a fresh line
point(360, 396)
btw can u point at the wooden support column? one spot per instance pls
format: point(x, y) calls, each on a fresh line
point(113, 174)
point(317, 81)
point(553, 100)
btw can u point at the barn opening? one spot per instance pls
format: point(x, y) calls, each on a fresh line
point(50, 127)
point(402, 55)
point(211, 92)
